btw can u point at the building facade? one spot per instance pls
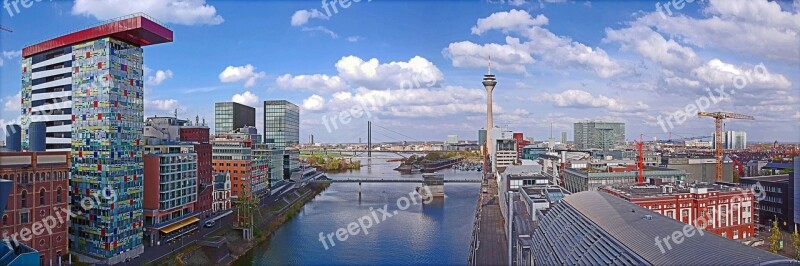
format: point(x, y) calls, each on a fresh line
point(199, 135)
point(701, 169)
point(229, 116)
point(735, 140)
point(282, 128)
point(588, 179)
point(775, 201)
point(170, 186)
point(233, 153)
point(39, 190)
point(222, 192)
point(87, 87)
point(725, 211)
point(598, 135)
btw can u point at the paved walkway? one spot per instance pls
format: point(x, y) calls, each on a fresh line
point(492, 245)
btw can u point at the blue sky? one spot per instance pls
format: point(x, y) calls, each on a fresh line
point(556, 61)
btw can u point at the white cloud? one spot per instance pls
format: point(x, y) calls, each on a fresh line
point(418, 72)
point(505, 57)
point(557, 51)
point(316, 83)
point(715, 73)
point(245, 73)
point(654, 47)
point(323, 30)
point(313, 103)
point(301, 17)
point(754, 27)
point(161, 105)
point(583, 99)
point(413, 102)
point(354, 38)
point(12, 54)
point(505, 21)
point(160, 76)
point(184, 12)
point(246, 98)
point(12, 103)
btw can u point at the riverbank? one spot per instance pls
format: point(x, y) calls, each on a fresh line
point(230, 240)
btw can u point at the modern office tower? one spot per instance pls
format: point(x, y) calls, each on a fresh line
point(87, 87)
point(563, 137)
point(451, 139)
point(229, 116)
point(598, 134)
point(735, 140)
point(481, 137)
point(37, 139)
point(170, 189)
point(274, 159)
point(282, 128)
point(40, 187)
point(13, 138)
point(281, 123)
point(233, 152)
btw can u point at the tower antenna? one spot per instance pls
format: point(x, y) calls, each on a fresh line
point(490, 65)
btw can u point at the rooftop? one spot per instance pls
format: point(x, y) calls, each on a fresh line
point(769, 178)
point(138, 29)
point(635, 228)
point(641, 191)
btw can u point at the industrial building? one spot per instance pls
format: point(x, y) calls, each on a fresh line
point(39, 189)
point(598, 135)
point(719, 209)
point(700, 169)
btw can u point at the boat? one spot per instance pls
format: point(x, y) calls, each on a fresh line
point(432, 186)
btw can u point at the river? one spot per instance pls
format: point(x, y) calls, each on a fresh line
point(438, 233)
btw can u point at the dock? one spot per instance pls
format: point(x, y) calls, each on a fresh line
point(489, 245)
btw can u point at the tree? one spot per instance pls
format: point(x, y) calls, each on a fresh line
point(796, 243)
point(775, 238)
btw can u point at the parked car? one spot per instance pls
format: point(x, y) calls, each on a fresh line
point(210, 223)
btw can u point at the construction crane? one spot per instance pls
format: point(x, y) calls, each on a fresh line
point(640, 160)
point(718, 117)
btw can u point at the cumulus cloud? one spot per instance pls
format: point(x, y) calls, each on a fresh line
point(12, 103)
point(654, 47)
point(715, 73)
point(313, 103)
point(301, 17)
point(505, 21)
point(557, 51)
point(323, 30)
point(583, 99)
point(450, 100)
point(161, 105)
point(184, 12)
point(415, 73)
point(246, 98)
point(751, 27)
point(160, 76)
point(316, 83)
point(246, 73)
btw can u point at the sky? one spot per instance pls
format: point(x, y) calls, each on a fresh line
point(414, 68)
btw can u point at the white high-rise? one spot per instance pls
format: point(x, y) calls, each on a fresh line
point(735, 140)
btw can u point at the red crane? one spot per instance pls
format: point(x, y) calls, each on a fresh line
point(718, 117)
point(640, 160)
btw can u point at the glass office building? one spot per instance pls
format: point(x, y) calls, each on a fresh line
point(282, 128)
point(229, 116)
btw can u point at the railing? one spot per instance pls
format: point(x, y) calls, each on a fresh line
point(139, 14)
point(473, 247)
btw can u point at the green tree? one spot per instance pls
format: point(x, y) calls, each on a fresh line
point(796, 243)
point(775, 238)
point(787, 171)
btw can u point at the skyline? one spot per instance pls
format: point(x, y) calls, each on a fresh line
point(423, 78)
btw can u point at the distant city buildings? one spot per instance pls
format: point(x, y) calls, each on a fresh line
point(735, 140)
point(592, 177)
point(229, 116)
point(451, 139)
point(598, 135)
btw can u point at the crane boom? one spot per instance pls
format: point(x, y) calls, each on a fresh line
point(718, 117)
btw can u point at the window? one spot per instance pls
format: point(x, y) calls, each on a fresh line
point(24, 217)
point(24, 199)
point(58, 195)
point(41, 197)
point(5, 220)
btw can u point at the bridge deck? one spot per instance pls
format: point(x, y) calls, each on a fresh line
point(379, 180)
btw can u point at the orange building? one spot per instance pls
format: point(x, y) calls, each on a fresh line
point(232, 153)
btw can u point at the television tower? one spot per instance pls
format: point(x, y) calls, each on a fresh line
point(489, 82)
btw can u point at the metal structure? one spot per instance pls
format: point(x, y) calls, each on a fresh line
point(718, 117)
point(640, 159)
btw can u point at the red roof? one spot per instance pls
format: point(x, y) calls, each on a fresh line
point(138, 30)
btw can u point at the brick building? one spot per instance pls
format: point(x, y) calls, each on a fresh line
point(199, 135)
point(722, 210)
point(39, 191)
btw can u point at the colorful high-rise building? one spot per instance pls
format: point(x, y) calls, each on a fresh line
point(88, 87)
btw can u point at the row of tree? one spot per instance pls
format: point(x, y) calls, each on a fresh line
point(329, 163)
